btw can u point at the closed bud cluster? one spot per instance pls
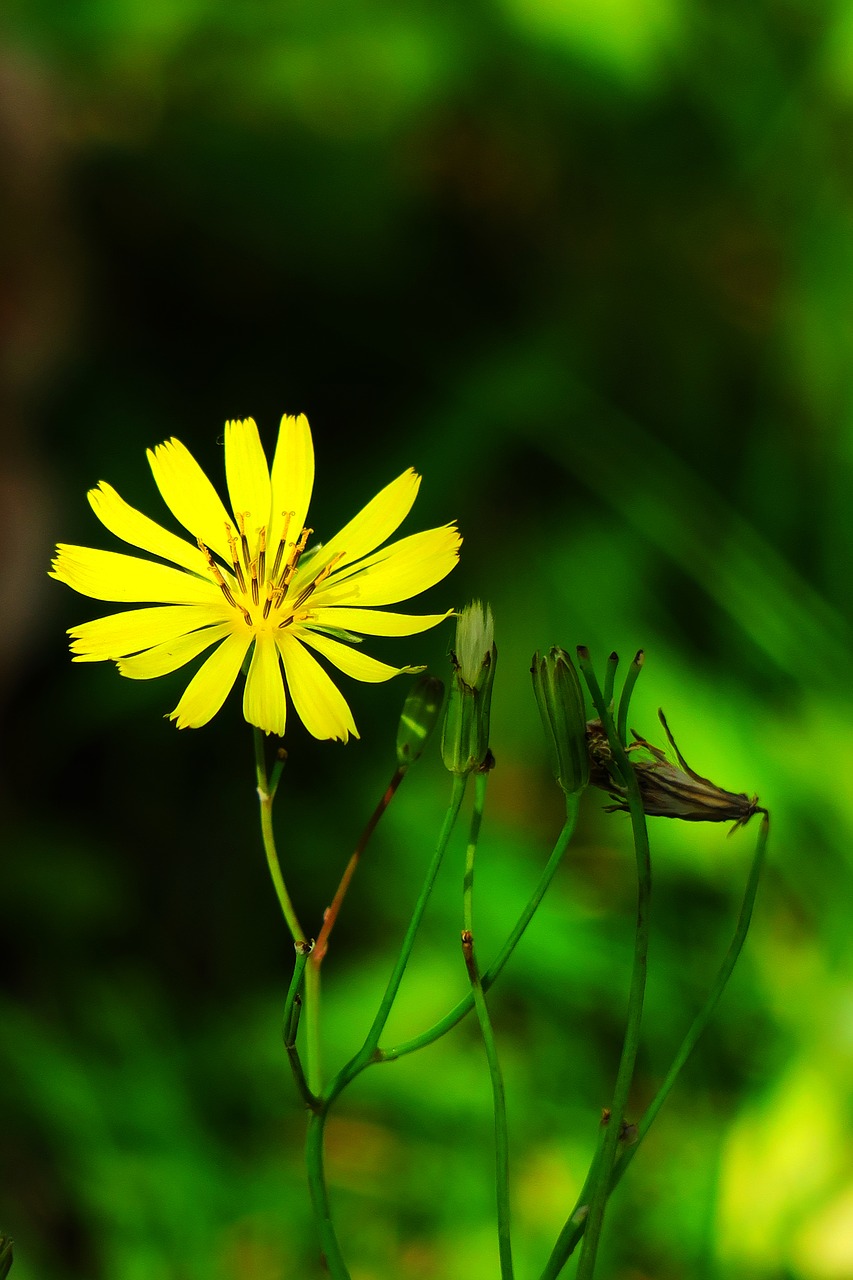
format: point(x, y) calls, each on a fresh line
point(465, 737)
point(418, 718)
point(560, 701)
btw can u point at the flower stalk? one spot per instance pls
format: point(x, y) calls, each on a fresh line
point(600, 1183)
point(488, 1035)
point(575, 1225)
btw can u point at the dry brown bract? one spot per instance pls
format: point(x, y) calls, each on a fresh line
point(667, 790)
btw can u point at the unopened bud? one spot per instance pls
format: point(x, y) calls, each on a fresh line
point(465, 737)
point(418, 718)
point(560, 701)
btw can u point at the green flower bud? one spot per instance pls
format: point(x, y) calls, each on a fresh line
point(560, 701)
point(5, 1256)
point(465, 737)
point(418, 718)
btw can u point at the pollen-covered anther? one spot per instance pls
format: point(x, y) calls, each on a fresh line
point(321, 577)
point(242, 517)
point(235, 557)
point(217, 575)
point(282, 543)
point(294, 558)
point(262, 554)
point(272, 593)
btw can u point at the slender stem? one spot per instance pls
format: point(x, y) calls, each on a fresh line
point(576, 1224)
point(321, 946)
point(313, 1062)
point(316, 1124)
point(466, 1004)
point(266, 795)
point(600, 1188)
point(367, 1052)
point(610, 678)
point(292, 1005)
point(627, 689)
point(487, 1032)
point(332, 1256)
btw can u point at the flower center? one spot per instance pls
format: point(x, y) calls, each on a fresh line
point(261, 589)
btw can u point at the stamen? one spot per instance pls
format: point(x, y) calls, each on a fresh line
point(235, 559)
point(321, 577)
point(218, 578)
point(287, 576)
point(268, 602)
point(244, 541)
point(254, 571)
point(262, 554)
point(282, 543)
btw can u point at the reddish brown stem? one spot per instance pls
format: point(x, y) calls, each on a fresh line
point(321, 946)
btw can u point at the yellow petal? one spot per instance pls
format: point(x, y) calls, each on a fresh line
point(132, 526)
point(292, 477)
point(171, 654)
point(248, 475)
point(395, 573)
point(212, 683)
point(352, 661)
point(263, 698)
point(119, 634)
point(375, 622)
point(190, 496)
point(375, 522)
point(318, 702)
point(110, 575)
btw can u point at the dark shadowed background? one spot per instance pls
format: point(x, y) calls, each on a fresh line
point(589, 269)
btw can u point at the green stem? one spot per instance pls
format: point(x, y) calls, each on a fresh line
point(627, 689)
point(316, 1124)
point(312, 1028)
point(292, 1006)
point(600, 1188)
point(487, 1032)
point(266, 795)
point(367, 1052)
point(574, 1228)
point(610, 678)
point(332, 1256)
point(466, 1004)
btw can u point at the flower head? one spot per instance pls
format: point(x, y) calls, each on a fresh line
point(250, 583)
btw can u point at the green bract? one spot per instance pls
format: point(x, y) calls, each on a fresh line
point(465, 737)
point(418, 718)
point(560, 701)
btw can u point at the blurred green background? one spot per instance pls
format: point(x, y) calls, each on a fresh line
point(589, 268)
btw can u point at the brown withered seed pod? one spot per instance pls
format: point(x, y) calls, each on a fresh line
point(667, 790)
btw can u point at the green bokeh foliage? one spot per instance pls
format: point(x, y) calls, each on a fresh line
point(588, 268)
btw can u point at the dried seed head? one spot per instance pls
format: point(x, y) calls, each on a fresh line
point(667, 790)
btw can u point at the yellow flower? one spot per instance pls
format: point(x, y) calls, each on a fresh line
point(251, 582)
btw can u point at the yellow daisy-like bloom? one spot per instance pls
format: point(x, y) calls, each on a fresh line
point(250, 582)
